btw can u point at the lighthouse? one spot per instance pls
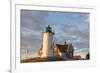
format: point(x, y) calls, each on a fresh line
point(47, 47)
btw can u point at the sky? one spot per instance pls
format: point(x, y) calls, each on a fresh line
point(72, 27)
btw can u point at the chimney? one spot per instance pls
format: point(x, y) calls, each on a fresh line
point(65, 43)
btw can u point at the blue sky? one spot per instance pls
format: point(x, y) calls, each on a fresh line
point(72, 27)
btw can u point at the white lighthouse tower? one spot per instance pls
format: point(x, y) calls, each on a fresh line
point(47, 49)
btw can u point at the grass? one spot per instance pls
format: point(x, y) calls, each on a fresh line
point(37, 59)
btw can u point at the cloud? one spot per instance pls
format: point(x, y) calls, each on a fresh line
point(82, 52)
point(72, 33)
point(33, 19)
point(30, 41)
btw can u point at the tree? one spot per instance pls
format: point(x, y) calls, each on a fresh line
point(87, 56)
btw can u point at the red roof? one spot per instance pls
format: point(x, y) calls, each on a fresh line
point(77, 57)
point(62, 48)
